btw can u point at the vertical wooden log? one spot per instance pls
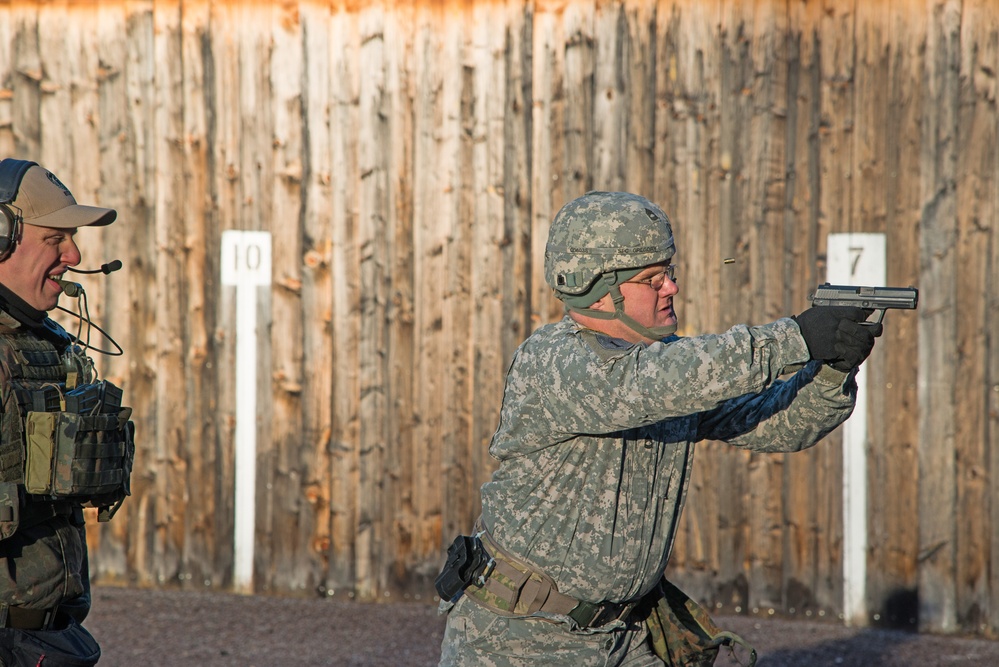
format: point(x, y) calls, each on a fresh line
point(548, 155)
point(169, 197)
point(610, 95)
point(639, 60)
point(489, 244)
point(226, 157)
point(803, 527)
point(7, 73)
point(984, 78)
point(765, 178)
point(837, 70)
point(430, 275)
point(343, 47)
point(869, 214)
point(454, 148)
point(894, 468)
point(976, 204)
point(26, 82)
point(938, 335)
point(991, 388)
point(195, 243)
point(372, 237)
point(580, 62)
point(735, 220)
point(139, 274)
point(317, 286)
point(518, 131)
point(427, 289)
point(57, 46)
point(292, 564)
point(408, 569)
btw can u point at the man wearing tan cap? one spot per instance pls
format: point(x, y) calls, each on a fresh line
point(65, 440)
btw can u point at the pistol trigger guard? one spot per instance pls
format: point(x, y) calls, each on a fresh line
point(881, 316)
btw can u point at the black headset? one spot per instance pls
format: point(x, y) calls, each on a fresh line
point(11, 173)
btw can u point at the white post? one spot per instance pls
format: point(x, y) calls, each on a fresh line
point(856, 259)
point(246, 264)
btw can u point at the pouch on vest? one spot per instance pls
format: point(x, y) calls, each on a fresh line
point(10, 509)
point(682, 632)
point(86, 458)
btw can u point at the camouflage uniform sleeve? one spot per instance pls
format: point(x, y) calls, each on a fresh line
point(591, 391)
point(789, 416)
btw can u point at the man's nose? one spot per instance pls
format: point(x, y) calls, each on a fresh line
point(670, 286)
point(71, 255)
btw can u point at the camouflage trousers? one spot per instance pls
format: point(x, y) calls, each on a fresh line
point(476, 636)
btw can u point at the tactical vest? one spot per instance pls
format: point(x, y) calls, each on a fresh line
point(65, 439)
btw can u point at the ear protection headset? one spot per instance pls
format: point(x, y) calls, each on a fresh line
point(11, 173)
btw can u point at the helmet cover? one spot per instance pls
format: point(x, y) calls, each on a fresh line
point(600, 233)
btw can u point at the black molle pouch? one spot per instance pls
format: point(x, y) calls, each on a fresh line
point(467, 560)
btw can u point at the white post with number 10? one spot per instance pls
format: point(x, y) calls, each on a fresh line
point(246, 264)
point(856, 259)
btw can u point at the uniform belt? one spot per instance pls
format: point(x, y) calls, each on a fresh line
point(37, 511)
point(20, 618)
point(513, 588)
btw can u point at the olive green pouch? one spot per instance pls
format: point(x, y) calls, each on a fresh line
point(40, 435)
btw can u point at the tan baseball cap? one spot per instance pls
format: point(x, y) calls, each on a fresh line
point(45, 202)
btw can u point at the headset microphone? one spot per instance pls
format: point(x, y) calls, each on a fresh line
point(113, 265)
point(70, 288)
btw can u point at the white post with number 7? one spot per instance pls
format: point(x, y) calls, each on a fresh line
point(246, 264)
point(856, 259)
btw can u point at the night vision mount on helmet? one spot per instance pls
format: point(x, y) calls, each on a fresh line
point(600, 240)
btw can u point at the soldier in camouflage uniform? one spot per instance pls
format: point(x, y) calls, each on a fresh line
point(52, 408)
point(600, 414)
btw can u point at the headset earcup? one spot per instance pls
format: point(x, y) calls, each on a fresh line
point(8, 231)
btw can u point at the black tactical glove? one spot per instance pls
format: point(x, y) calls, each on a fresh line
point(835, 335)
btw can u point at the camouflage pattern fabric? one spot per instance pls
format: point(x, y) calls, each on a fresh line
point(683, 634)
point(595, 444)
point(603, 232)
point(43, 557)
point(476, 636)
point(47, 567)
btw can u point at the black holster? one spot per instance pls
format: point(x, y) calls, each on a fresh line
point(467, 561)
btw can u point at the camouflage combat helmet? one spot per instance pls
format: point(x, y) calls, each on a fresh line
point(600, 240)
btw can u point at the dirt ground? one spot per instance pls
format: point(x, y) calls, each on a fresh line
point(172, 628)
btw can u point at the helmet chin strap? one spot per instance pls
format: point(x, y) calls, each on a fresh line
point(652, 333)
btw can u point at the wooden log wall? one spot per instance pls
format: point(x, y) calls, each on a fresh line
point(407, 159)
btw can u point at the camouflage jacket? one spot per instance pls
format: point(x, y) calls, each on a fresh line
point(596, 440)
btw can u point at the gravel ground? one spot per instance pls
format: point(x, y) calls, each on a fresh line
point(148, 628)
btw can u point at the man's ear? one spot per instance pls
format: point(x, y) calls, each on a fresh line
point(604, 303)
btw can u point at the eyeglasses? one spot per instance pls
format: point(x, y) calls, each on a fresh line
point(657, 280)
